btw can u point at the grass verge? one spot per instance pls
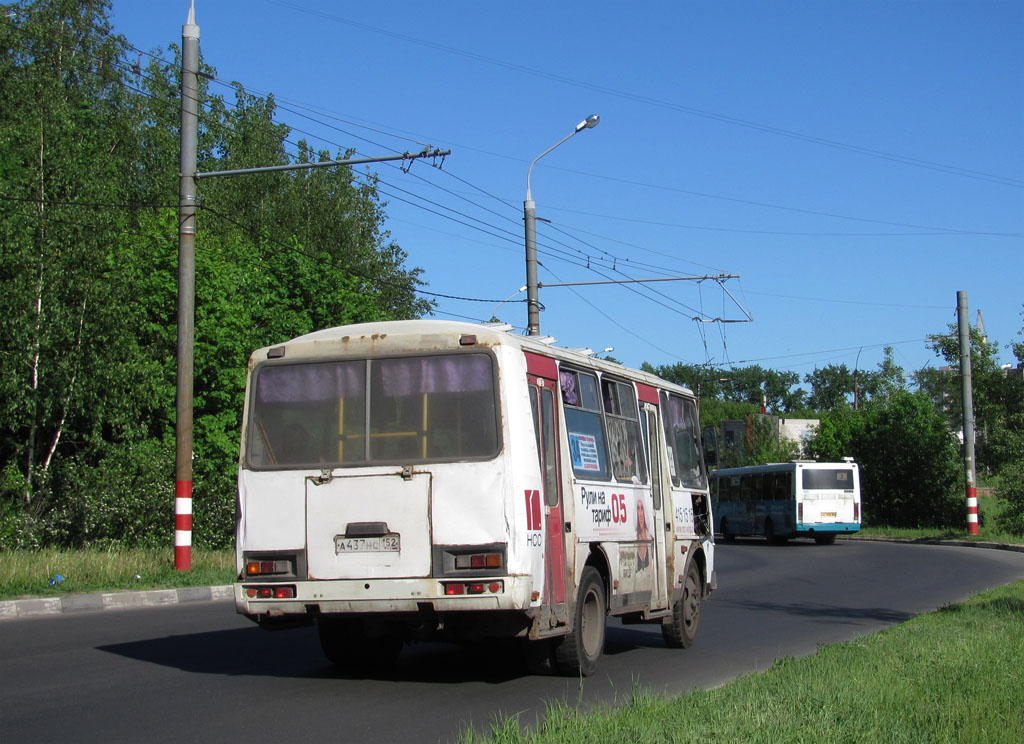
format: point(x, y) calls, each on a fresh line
point(950, 676)
point(27, 573)
point(987, 531)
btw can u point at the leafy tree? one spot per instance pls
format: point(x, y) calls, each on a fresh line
point(830, 387)
point(997, 399)
point(910, 472)
point(88, 179)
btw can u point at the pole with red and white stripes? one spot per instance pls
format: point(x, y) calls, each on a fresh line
point(968, 409)
point(186, 292)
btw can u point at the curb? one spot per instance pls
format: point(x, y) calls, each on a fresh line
point(932, 541)
point(16, 608)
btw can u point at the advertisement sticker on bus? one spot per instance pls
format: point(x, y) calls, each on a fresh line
point(583, 448)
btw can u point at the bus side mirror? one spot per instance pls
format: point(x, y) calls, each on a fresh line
point(711, 447)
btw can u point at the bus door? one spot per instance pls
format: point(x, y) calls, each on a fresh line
point(545, 417)
point(659, 487)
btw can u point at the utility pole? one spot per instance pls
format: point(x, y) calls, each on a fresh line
point(186, 292)
point(189, 178)
point(968, 409)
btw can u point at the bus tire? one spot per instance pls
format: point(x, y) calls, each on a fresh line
point(579, 652)
point(346, 647)
point(680, 630)
point(726, 535)
point(825, 539)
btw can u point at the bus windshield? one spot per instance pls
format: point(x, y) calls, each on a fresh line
point(358, 412)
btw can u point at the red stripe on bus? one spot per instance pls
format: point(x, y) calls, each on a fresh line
point(646, 393)
point(541, 366)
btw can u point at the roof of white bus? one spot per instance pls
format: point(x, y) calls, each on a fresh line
point(791, 465)
point(487, 335)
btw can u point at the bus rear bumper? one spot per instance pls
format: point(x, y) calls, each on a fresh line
point(803, 528)
point(372, 596)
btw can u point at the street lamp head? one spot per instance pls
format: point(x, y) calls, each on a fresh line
point(589, 123)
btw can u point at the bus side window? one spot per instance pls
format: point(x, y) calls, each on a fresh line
point(584, 424)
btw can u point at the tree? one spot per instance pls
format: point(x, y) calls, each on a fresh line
point(88, 178)
point(830, 387)
point(910, 471)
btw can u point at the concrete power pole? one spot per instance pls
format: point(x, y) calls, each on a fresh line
point(968, 409)
point(186, 292)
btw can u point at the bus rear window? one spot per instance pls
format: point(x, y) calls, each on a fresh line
point(828, 480)
point(409, 409)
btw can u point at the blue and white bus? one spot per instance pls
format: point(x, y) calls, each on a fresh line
point(792, 499)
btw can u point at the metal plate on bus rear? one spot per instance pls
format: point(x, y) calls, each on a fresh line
point(389, 543)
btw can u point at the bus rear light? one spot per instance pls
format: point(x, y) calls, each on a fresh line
point(856, 512)
point(270, 592)
point(267, 568)
point(478, 560)
point(800, 512)
point(458, 588)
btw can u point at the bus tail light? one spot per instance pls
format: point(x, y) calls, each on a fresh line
point(459, 588)
point(478, 560)
point(856, 512)
point(270, 592)
point(800, 512)
point(267, 568)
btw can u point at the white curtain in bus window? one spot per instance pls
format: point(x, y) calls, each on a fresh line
point(682, 434)
point(628, 462)
point(584, 424)
point(432, 408)
point(306, 415)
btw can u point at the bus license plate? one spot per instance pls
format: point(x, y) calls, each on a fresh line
point(828, 514)
point(390, 543)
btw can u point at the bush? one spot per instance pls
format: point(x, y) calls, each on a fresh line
point(910, 470)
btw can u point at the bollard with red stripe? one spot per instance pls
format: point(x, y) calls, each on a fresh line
point(972, 510)
point(183, 525)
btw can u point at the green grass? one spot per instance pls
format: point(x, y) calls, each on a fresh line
point(989, 507)
point(950, 676)
point(26, 573)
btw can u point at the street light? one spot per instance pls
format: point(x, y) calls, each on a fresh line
point(530, 218)
point(494, 314)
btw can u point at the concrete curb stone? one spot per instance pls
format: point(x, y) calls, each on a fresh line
point(17, 608)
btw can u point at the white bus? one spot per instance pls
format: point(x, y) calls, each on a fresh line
point(430, 479)
point(791, 499)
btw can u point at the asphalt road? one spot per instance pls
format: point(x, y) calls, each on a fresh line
point(198, 672)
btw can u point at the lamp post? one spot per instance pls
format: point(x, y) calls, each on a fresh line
point(530, 219)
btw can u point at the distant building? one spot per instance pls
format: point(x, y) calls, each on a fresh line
point(737, 437)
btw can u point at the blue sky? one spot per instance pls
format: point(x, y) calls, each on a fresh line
point(855, 163)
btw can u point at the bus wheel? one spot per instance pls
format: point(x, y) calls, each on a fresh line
point(826, 539)
point(680, 630)
point(726, 535)
point(346, 647)
point(579, 652)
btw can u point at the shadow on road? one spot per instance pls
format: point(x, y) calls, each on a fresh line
point(296, 654)
point(826, 613)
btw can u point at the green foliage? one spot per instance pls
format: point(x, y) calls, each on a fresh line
point(89, 151)
point(909, 464)
point(1010, 489)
